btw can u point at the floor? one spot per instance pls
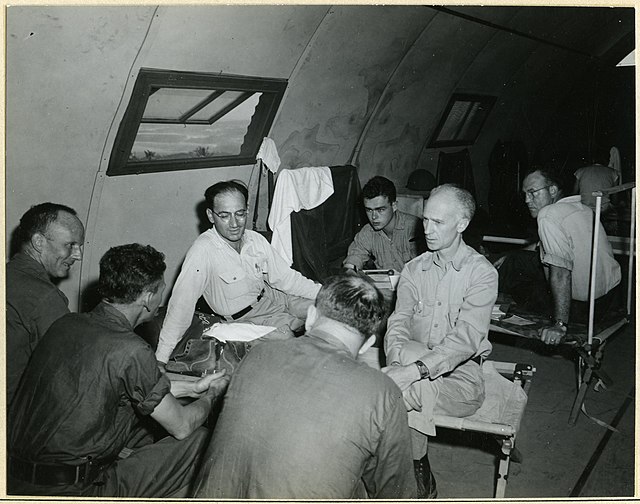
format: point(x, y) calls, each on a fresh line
point(559, 460)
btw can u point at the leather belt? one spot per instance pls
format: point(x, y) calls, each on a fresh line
point(244, 311)
point(52, 474)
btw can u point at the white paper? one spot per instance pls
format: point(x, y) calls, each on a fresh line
point(237, 331)
point(515, 320)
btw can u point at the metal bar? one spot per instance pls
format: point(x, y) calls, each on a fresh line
point(505, 239)
point(594, 264)
point(614, 189)
point(632, 234)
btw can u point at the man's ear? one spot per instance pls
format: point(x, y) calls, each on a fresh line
point(394, 206)
point(210, 215)
point(144, 299)
point(368, 343)
point(312, 316)
point(462, 224)
point(37, 241)
point(554, 190)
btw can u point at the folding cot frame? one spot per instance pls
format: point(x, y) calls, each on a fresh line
point(590, 351)
point(503, 433)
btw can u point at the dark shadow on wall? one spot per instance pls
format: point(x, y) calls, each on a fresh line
point(90, 297)
point(14, 243)
point(201, 214)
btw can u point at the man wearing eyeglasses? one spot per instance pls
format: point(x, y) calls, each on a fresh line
point(240, 275)
point(51, 237)
point(559, 273)
point(392, 238)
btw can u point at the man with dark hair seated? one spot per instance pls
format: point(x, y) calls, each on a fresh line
point(78, 421)
point(51, 238)
point(304, 419)
point(237, 271)
point(391, 238)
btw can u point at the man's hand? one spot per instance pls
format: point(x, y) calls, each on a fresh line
point(215, 383)
point(552, 335)
point(403, 376)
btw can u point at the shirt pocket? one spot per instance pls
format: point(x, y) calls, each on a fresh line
point(421, 320)
point(234, 283)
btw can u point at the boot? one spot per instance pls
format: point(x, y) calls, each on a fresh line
point(424, 478)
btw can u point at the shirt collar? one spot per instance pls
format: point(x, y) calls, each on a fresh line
point(459, 259)
point(220, 242)
point(27, 263)
point(107, 312)
point(329, 340)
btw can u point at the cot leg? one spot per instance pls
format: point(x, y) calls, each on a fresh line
point(503, 468)
point(582, 392)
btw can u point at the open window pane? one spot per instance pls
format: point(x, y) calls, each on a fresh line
point(462, 120)
point(185, 120)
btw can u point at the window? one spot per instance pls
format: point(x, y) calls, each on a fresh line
point(186, 120)
point(462, 120)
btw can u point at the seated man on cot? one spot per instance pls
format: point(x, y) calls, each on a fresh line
point(303, 419)
point(437, 337)
point(84, 418)
point(391, 238)
point(554, 280)
point(240, 275)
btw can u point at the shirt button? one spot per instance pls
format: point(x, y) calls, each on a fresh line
point(439, 303)
point(435, 325)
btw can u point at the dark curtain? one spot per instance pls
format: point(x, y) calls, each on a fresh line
point(321, 236)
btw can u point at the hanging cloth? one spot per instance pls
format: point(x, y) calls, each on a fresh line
point(302, 188)
point(615, 162)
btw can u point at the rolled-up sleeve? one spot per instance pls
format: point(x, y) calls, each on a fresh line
point(282, 277)
point(359, 249)
point(557, 249)
point(144, 383)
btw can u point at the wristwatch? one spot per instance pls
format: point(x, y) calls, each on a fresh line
point(560, 323)
point(424, 370)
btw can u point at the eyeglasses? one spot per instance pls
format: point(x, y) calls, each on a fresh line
point(532, 192)
point(226, 216)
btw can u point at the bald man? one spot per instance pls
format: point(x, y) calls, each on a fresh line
point(436, 338)
point(51, 238)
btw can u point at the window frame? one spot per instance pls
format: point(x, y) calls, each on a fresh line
point(148, 78)
point(486, 101)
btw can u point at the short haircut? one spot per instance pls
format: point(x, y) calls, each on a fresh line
point(379, 186)
point(466, 203)
point(126, 271)
point(228, 186)
point(354, 301)
point(37, 219)
point(550, 174)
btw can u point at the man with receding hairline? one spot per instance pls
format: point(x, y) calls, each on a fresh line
point(51, 237)
point(436, 338)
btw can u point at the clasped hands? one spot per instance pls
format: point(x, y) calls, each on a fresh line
point(404, 377)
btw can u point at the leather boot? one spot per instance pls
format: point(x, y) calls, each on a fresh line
point(424, 478)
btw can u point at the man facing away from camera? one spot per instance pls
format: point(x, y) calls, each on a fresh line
point(303, 419)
